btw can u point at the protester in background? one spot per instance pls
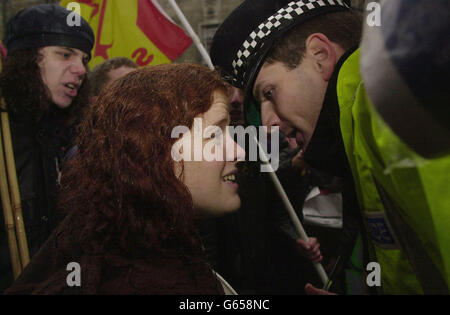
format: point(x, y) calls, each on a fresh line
point(43, 84)
point(108, 71)
point(131, 206)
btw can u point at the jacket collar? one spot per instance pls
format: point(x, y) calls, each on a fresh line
point(326, 150)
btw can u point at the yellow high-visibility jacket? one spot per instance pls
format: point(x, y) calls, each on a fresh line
point(405, 198)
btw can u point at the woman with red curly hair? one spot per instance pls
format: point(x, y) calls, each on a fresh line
point(129, 207)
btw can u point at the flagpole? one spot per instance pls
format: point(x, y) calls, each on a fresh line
point(290, 209)
point(192, 34)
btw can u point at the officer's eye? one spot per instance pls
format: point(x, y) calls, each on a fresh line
point(268, 94)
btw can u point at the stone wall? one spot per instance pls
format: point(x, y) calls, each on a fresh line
point(204, 16)
point(10, 7)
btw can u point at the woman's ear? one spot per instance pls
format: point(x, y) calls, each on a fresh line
point(321, 52)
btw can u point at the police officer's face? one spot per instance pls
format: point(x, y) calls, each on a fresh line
point(62, 70)
point(292, 98)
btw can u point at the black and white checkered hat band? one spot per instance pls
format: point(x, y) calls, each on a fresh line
point(281, 18)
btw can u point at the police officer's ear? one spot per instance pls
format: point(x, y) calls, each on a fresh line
point(322, 53)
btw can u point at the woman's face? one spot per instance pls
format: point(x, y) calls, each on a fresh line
point(211, 179)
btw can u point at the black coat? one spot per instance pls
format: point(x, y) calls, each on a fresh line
point(111, 271)
point(38, 152)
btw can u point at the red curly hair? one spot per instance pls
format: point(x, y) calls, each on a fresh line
point(122, 182)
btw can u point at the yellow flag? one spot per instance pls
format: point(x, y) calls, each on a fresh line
point(136, 29)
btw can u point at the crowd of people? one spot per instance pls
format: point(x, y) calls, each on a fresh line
point(99, 185)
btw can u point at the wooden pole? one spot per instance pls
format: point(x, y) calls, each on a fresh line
point(14, 188)
point(8, 215)
point(12, 206)
point(4, 17)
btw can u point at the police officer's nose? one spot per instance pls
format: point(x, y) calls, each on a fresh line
point(269, 117)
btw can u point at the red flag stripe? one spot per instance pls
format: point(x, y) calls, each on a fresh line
point(170, 39)
point(100, 49)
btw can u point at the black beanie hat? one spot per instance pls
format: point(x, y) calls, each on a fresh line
point(242, 41)
point(46, 25)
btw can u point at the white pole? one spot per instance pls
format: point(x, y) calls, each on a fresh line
point(290, 209)
point(192, 34)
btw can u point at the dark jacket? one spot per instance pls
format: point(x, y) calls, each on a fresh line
point(110, 271)
point(326, 153)
point(38, 151)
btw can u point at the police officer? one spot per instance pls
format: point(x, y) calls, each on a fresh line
point(299, 62)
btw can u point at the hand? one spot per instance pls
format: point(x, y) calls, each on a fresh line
point(310, 250)
point(312, 290)
point(298, 163)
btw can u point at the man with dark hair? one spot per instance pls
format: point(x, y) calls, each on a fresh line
point(298, 60)
point(44, 87)
point(109, 71)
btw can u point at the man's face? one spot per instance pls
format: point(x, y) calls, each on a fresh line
point(291, 99)
point(62, 70)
